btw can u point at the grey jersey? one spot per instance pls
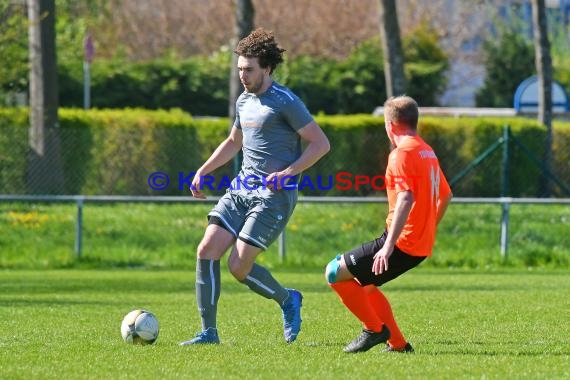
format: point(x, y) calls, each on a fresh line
point(269, 123)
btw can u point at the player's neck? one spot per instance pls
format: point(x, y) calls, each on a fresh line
point(267, 82)
point(400, 137)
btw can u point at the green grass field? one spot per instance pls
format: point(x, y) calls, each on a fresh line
point(37, 236)
point(464, 324)
point(468, 313)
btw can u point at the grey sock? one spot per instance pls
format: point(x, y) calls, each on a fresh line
point(207, 290)
point(262, 282)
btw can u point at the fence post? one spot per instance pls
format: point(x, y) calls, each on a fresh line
point(505, 228)
point(505, 163)
point(505, 204)
point(79, 227)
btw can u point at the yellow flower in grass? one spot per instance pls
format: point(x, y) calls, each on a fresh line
point(30, 219)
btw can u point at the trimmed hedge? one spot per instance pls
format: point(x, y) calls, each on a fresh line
point(115, 151)
point(460, 141)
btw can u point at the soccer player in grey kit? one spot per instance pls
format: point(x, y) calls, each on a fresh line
point(270, 123)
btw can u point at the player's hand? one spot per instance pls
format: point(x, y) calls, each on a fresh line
point(197, 186)
point(381, 257)
point(275, 181)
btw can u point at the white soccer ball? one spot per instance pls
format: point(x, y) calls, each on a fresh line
point(140, 327)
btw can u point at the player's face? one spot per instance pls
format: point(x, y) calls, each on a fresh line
point(251, 75)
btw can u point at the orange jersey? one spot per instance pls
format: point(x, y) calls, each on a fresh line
point(414, 166)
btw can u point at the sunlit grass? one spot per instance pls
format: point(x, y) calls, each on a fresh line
point(464, 324)
point(166, 235)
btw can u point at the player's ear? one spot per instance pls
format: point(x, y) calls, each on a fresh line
point(396, 127)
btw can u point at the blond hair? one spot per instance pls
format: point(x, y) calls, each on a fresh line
point(402, 110)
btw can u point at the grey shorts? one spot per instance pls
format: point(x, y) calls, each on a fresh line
point(255, 216)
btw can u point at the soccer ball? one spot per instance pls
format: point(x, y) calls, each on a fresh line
point(140, 327)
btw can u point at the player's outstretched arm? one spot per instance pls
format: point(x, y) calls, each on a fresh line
point(404, 202)
point(223, 153)
point(442, 204)
point(444, 198)
point(317, 146)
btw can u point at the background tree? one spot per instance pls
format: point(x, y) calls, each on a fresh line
point(13, 52)
point(329, 29)
point(392, 48)
point(543, 63)
point(426, 65)
point(244, 16)
point(45, 172)
point(509, 59)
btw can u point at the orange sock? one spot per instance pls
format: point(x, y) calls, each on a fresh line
point(382, 307)
point(355, 298)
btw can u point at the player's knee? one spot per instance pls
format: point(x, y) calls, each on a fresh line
point(209, 251)
point(201, 252)
point(332, 269)
point(237, 269)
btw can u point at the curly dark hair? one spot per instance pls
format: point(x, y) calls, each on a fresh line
point(261, 44)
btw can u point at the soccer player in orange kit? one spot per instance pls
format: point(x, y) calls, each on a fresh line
point(418, 195)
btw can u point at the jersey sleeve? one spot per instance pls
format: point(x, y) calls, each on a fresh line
point(237, 122)
point(296, 114)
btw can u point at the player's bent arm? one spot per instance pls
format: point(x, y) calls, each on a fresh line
point(404, 202)
point(442, 204)
point(318, 145)
point(223, 153)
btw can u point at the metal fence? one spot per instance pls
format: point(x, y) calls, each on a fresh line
point(115, 165)
point(80, 201)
